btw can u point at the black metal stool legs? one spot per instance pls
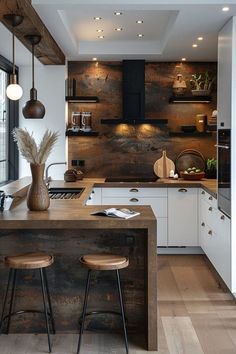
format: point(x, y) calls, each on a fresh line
point(122, 310)
point(49, 301)
point(45, 309)
point(84, 310)
point(5, 299)
point(12, 300)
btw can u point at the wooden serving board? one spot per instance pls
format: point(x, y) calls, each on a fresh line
point(163, 166)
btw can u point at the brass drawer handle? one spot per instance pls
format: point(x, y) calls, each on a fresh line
point(134, 200)
point(210, 208)
point(210, 198)
point(183, 190)
point(202, 224)
point(203, 192)
point(210, 232)
point(222, 217)
point(135, 190)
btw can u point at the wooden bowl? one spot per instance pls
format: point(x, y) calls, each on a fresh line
point(192, 176)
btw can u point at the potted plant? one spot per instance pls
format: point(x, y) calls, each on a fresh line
point(37, 197)
point(202, 84)
point(211, 168)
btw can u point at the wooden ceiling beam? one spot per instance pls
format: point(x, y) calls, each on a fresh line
point(47, 51)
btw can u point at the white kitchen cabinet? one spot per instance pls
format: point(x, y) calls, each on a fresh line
point(183, 217)
point(155, 197)
point(215, 236)
point(95, 197)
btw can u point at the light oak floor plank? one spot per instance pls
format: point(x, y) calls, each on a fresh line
point(181, 336)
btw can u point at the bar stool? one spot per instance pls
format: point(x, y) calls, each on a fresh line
point(102, 262)
point(38, 261)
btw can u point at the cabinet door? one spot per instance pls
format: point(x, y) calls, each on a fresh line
point(182, 217)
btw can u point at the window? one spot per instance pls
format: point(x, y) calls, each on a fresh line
point(9, 118)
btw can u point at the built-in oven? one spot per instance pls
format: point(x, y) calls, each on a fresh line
point(224, 171)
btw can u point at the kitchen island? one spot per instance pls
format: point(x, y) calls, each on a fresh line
point(67, 230)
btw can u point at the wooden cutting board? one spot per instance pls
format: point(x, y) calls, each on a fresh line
point(163, 166)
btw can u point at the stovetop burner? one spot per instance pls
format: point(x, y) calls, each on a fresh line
point(131, 179)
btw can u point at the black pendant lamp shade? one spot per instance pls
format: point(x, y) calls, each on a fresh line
point(14, 90)
point(33, 109)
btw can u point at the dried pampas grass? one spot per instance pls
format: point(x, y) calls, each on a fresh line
point(28, 148)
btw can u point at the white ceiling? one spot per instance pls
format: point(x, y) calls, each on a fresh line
point(169, 28)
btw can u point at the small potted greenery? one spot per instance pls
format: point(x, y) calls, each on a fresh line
point(202, 84)
point(211, 168)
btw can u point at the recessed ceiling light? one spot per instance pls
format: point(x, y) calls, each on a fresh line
point(117, 13)
point(119, 29)
point(140, 35)
point(95, 59)
point(100, 37)
point(194, 45)
point(139, 21)
point(225, 8)
point(183, 59)
point(99, 30)
point(200, 38)
point(97, 18)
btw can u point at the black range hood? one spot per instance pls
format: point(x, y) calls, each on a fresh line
point(134, 96)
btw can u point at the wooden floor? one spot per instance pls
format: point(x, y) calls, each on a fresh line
point(197, 316)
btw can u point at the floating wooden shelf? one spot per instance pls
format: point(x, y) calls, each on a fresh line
point(134, 121)
point(82, 99)
point(80, 133)
point(192, 134)
point(190, 99)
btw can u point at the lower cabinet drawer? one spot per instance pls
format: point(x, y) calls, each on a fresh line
point(159, 205)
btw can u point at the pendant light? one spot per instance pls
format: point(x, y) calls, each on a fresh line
point(33, 109)
point(13, 91)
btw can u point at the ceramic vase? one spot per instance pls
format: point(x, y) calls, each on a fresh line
point(38, 197)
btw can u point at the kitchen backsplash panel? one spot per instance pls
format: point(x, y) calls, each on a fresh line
point(127, 149)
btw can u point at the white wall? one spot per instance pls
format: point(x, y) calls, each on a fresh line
point(50, 84)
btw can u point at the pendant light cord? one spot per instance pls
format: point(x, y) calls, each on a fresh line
point(32, 65)
point(13, 50)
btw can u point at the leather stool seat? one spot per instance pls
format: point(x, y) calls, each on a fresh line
point(29, 261)
point(104, 261)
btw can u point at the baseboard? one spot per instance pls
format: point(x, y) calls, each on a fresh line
point(179, 250)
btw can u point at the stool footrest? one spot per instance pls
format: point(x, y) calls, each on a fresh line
point(20, 312)
point(91, 313)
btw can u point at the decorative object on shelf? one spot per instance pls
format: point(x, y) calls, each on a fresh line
point(76, 121)
point(201, 121)
point(33, 109)
point(212, 121)
point(163, 166)
point(190, 158)
point(179, 85)
point(211, 168)
point(37, 197)
point(71, 87)
point(202, 84)
point(188, 128)
point(14, 90)
point(86, 121)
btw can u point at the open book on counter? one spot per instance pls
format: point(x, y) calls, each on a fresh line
point(117, 213)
